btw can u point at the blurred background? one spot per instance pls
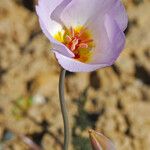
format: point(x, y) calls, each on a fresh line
point(114, 100)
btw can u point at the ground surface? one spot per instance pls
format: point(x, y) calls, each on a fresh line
point(115, 100)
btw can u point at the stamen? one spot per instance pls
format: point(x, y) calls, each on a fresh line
point(74, 43)
point(82, 31)
point(73, 47)
point(72, 32)
point(83, 45)
point(68, 38)
point(87, 41)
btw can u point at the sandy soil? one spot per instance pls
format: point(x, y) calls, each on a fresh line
point(114, 100)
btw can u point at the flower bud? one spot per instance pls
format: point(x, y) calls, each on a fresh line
point(100, 142)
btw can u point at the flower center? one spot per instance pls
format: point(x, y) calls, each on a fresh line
point(78, 40)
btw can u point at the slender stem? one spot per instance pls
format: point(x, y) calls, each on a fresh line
point(63, 109)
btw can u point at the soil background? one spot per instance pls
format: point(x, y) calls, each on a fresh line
point(114, 100)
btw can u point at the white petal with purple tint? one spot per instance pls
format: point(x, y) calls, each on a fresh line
point(78, 12)
point(109, 38)
point(119, 14)
point(73, 65)
point(50, 27)
point(44, 10)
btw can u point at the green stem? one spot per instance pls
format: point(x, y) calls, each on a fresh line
point(63, 109)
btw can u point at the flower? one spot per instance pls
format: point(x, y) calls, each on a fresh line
point(99, 141)
point(85, 35)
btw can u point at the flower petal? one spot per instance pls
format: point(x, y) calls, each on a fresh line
point(49, 27)
point(116, 37)
point(78, 12)
point(100, 38)
point(44, 10)
point(118, 12)
point(56, 46)
point(109, 40)
point(73, 65)
point(55, 15)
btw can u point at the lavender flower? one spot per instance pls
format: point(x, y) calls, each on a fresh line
point(85, 34)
